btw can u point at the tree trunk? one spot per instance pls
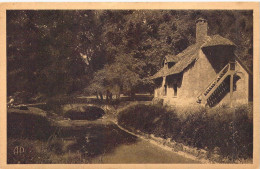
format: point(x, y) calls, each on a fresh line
point(110, 96)
point(97, 95)
point(132, 94)
point(101, 96)
point(107, 95)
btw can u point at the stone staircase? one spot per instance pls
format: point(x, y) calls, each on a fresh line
point(219, 93)
point(217, 88)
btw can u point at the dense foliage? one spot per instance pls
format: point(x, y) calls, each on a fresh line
point(228, 132)
point(84, 113)
point(60, 52)
point(31, 126)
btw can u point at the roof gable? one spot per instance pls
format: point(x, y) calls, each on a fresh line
point(185, 58)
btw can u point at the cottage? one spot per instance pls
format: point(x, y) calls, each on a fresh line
point(206, 73)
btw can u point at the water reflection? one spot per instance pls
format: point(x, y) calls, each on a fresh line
point(95, 140)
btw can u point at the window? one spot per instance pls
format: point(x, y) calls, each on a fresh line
point(175, 90)
point(170, 64)
point(165, 90)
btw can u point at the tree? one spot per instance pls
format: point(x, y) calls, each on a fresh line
point(61, 52)
point(147, 36)
point(44, 51)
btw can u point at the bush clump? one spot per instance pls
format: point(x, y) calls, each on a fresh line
point(227, 131)
point(151, 120)
point(84, 113)
point(31, 126)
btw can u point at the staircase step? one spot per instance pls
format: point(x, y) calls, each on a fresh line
point(219, 89)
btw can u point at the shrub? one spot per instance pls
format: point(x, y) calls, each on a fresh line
point(32, 126)
point(150, 119)
point(85, 113)
point(229, 131)
point(55, 145)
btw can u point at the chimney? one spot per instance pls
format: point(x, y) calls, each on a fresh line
point(201, 29)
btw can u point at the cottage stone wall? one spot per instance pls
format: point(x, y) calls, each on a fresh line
point(241, 92)
point(195, 79)
point(158, 91)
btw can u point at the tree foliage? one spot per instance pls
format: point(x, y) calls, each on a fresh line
point(60, 52)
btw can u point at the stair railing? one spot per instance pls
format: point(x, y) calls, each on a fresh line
point(203, 95)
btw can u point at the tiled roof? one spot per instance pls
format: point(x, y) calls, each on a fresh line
point(217, 40)
point(190, 54)
point(185, 58)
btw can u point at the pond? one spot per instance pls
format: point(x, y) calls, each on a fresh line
point(95, 140)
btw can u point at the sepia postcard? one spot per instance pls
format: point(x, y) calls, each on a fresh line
point(129, 85)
